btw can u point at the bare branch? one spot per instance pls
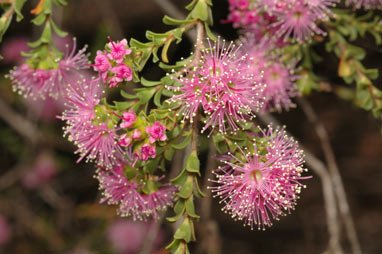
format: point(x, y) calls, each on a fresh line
point(335, 173)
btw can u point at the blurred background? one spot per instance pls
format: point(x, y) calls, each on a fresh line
point(50, 204)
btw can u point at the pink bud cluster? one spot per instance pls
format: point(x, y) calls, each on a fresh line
point(129, 195)
point(256, 186)
point(140, 135)
point(271, 19)
point(113, 64)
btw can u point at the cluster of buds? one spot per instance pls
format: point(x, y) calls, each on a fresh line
point(140, 135)
point(114, 64)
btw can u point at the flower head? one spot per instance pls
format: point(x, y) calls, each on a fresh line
point(257, 187)
point(128, 118)
point(128, 194)
point(222, 86)
point(35, 81)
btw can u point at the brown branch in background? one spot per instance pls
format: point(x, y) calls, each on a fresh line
point(335, 173)
point(210, 239)
point(328, 192)
point(22, 125)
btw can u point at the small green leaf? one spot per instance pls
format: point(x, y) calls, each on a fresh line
point(186, 190)
point(39, 19)
point(182, 144)
point(145, 95)
point(175, 22)
point(57, 30)
point(149, 83)
point(18, 6)
point(193, 163)
point(200, 11)
point(180, 179)
point(184, 231)
point(169, 153)
point(46, 36)
point(197, 191)
point(209, 32)
point(157, 97)
point(190, 208)
point(128, 96)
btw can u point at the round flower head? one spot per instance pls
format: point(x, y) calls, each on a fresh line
point(118, 190)
point(366, 4)
point(280, 87)
point(297, 21)
point(81, 100)
point(222, 85)
point(36, 81)
point(97, 142)
point(256, 187)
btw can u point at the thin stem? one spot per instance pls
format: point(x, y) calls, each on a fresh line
point(335, 173)
point(22, 125)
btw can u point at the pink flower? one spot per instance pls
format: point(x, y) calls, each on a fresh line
point(42, 172)
point(97, 143)
point(223, 86)
point(5, 231)
point(118, 50)
point(259, 188)
point(137, 134)
point(101, 62)
point(81, 100)
point(118, 190)
point(147, 151)
point(123, 72)
point(31, 81)
point(124, 141)
point(128, 119)
point(135, 232)
point(156, 132)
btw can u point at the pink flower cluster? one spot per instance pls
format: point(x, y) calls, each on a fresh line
point(269, 70)
point(128, 194)
point(38, 82)
point(271, 19)
point(136, 133)
point(261, 187)
point(112, 63)
point(223, 85)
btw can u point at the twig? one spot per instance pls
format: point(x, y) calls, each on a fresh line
point(335, 174)
point(327, 187)
point(19, 123)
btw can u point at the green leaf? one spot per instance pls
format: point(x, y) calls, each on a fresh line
point(179, 206)
point(197, 191)
point(209, 33)
point(182, 144)
point(175, 22)
point(18, 6)
point(193, 163)
point(200, 11)
point(186, 190)
point(149, 83)
point(180, 179)
point(60, 2)
point(57, 30)
point(4, 24)
point(184, 231)
point(190, 208)
point(169, 153)
point(173, 246)
point(191, 5)
point(46, 36)
point(145, 95)
point(39, 19)
point(128, 96)
point(157, 97)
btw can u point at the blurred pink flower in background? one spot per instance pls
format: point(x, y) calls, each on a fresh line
point(5, 231)
point(12, 48)
point(127, 236)
point(42, 171)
